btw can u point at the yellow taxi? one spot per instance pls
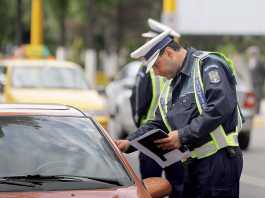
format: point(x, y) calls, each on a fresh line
point(51, 82)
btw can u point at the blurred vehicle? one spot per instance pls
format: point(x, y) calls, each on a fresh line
point(2, 81)
point(118, 93)
point(51, 82)
point(247, 103)
point(56, 151)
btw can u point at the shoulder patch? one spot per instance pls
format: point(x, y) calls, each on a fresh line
point(214, 76)
point(210, 67)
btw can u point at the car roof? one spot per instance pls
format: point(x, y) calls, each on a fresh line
point(38, 62)
point(39, 109)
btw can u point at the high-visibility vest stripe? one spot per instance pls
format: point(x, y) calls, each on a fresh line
point(157, 86)
point(164, 99)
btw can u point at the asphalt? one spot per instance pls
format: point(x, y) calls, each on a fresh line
point(253, 176)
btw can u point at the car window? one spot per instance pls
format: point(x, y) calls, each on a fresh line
point(48, 77)
point(45, 145)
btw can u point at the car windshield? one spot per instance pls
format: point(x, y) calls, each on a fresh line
point(57, 146)
point(48, 77)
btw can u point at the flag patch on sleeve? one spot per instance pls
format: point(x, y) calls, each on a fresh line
point(214, 76)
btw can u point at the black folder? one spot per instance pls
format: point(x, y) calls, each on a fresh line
point(148, 142)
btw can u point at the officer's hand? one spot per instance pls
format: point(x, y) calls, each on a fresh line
point(123, 145)
point(171, 142)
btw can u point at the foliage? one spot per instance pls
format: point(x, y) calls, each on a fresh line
point(7, 17)
point(110, 25)
point(227, 49)
point(227, 44)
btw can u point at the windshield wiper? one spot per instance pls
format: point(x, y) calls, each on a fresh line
point(40, 178)
point(62, 178)
point(16, 183)
point(85, 178)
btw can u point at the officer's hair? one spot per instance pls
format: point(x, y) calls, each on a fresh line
point(173, 45)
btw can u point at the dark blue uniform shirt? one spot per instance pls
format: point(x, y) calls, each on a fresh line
point(183, 115)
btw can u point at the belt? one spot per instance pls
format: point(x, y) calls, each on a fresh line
point(231, 151)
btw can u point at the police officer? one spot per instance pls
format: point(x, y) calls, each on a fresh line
point(199, 110)
point(144, 101)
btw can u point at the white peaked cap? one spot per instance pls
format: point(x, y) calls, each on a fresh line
point(157, 28)
point(149, 34)
point(150, 50)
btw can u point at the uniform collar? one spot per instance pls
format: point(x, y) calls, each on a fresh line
point(187, 63)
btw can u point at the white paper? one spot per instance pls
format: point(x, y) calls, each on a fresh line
point(171, 156)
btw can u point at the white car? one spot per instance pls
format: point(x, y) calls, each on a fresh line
point(120, 90)
point(118, 93)
point(247, 102)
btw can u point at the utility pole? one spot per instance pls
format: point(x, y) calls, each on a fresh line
point(36, 34)
point(169, 14)
point(36, 49)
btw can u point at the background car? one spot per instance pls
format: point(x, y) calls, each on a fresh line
point(57, 151)
point(120, 90)
point(246, 100)
point(51, 82)
point(118, 94)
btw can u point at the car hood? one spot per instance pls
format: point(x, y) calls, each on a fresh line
point(130, 192)
point(82, 99)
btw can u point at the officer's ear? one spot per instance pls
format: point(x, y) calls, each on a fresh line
point(169, 52)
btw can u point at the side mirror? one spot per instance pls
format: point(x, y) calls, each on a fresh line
point(158, 187)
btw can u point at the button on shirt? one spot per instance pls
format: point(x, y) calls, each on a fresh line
point(194, 128)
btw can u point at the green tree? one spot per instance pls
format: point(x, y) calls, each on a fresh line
point(7, 19)
point(59, 9)
point(19, 28)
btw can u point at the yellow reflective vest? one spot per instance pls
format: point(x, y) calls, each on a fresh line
point(157, 85)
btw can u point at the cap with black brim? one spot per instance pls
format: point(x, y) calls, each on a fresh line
point(151, 49)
